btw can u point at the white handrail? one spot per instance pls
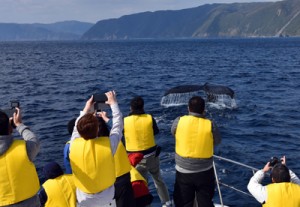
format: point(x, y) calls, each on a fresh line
point(217, 181)
point(235, 162)
point(216, 176)
point(221, 158)
point(226, 185)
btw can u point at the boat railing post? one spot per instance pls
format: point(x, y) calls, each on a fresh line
point(218, 185)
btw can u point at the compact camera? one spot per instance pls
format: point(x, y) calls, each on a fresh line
point(10, 111)
point(273, 161)
point(100, 99)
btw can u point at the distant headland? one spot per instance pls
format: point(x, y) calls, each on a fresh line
point(238, 20)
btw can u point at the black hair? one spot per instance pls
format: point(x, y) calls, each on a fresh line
point(137, 104)
point(4, 124)
point(196, 104)
point(71, 125)
point(103, 129)
point(280, 173)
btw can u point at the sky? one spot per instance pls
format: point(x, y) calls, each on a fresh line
point(50, 11)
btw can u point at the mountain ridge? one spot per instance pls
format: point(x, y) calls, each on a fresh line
point(66, 30)
point(259, 19)
point(219, 20)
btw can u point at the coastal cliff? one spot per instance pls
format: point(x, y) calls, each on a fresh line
point(267, 19)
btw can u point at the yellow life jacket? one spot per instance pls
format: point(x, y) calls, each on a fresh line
point(92, 164)
point(138, 132)
point(135, 175)
point(283, 194)
point(194, 137)
point(60, 191)
point(18, 176)
point(122, 163)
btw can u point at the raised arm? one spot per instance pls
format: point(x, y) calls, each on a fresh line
point(255, 187)
point(294, 177)
point(87, 108)
point(32, 142)
point(117, 121)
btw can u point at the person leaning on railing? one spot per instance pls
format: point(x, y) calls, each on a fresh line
point(284, 190)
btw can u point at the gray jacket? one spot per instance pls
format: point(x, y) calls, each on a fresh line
point(193, 165)
point(32, 147)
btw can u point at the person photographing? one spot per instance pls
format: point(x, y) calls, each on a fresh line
point(92, 157)
point(284, 189)
point(19, 182)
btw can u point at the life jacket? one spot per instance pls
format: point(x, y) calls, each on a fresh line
point(139, 185)
point(194, 137)
point(122, 164)
point(93, 164)
point(283, 194)
point(135, 175)
point(61, 191)
point(138, 132)
point(19, 179)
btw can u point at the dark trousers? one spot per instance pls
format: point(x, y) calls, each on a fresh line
point(190, 185)
point(123, 191)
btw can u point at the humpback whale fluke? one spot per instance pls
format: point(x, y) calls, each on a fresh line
point(218, 90)
point(184, 89)
point(180, 95)
point(208, 88)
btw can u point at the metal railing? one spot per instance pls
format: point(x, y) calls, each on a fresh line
point(226, 185)
point(216, 175)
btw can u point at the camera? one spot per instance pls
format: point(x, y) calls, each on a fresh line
point(273, 161)
point(100, 99)
point(10, 111)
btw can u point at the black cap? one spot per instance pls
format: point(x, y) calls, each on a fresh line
point(52, 170)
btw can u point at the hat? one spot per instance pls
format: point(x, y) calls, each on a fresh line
point(52, 170)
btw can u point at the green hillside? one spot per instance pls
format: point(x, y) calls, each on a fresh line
point(269, 19)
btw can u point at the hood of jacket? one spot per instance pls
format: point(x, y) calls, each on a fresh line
point(5, 142)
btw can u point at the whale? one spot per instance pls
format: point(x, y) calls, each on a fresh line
point(218, 95)
point(218, 90)
point(184, 89)
point(211, 90)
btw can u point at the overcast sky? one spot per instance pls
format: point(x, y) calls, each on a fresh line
point(50, 11)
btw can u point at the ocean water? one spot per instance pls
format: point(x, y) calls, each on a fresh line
point(52, 81)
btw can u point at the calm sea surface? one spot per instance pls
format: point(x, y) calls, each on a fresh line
point(52, 81)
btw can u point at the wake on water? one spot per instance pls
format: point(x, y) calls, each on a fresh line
point(219, 101)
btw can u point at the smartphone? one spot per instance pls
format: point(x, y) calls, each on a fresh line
point(99, 99)
point(14, 104)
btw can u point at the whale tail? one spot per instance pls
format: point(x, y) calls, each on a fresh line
point(184, 89)
point(180, 95)
point(218, 90)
